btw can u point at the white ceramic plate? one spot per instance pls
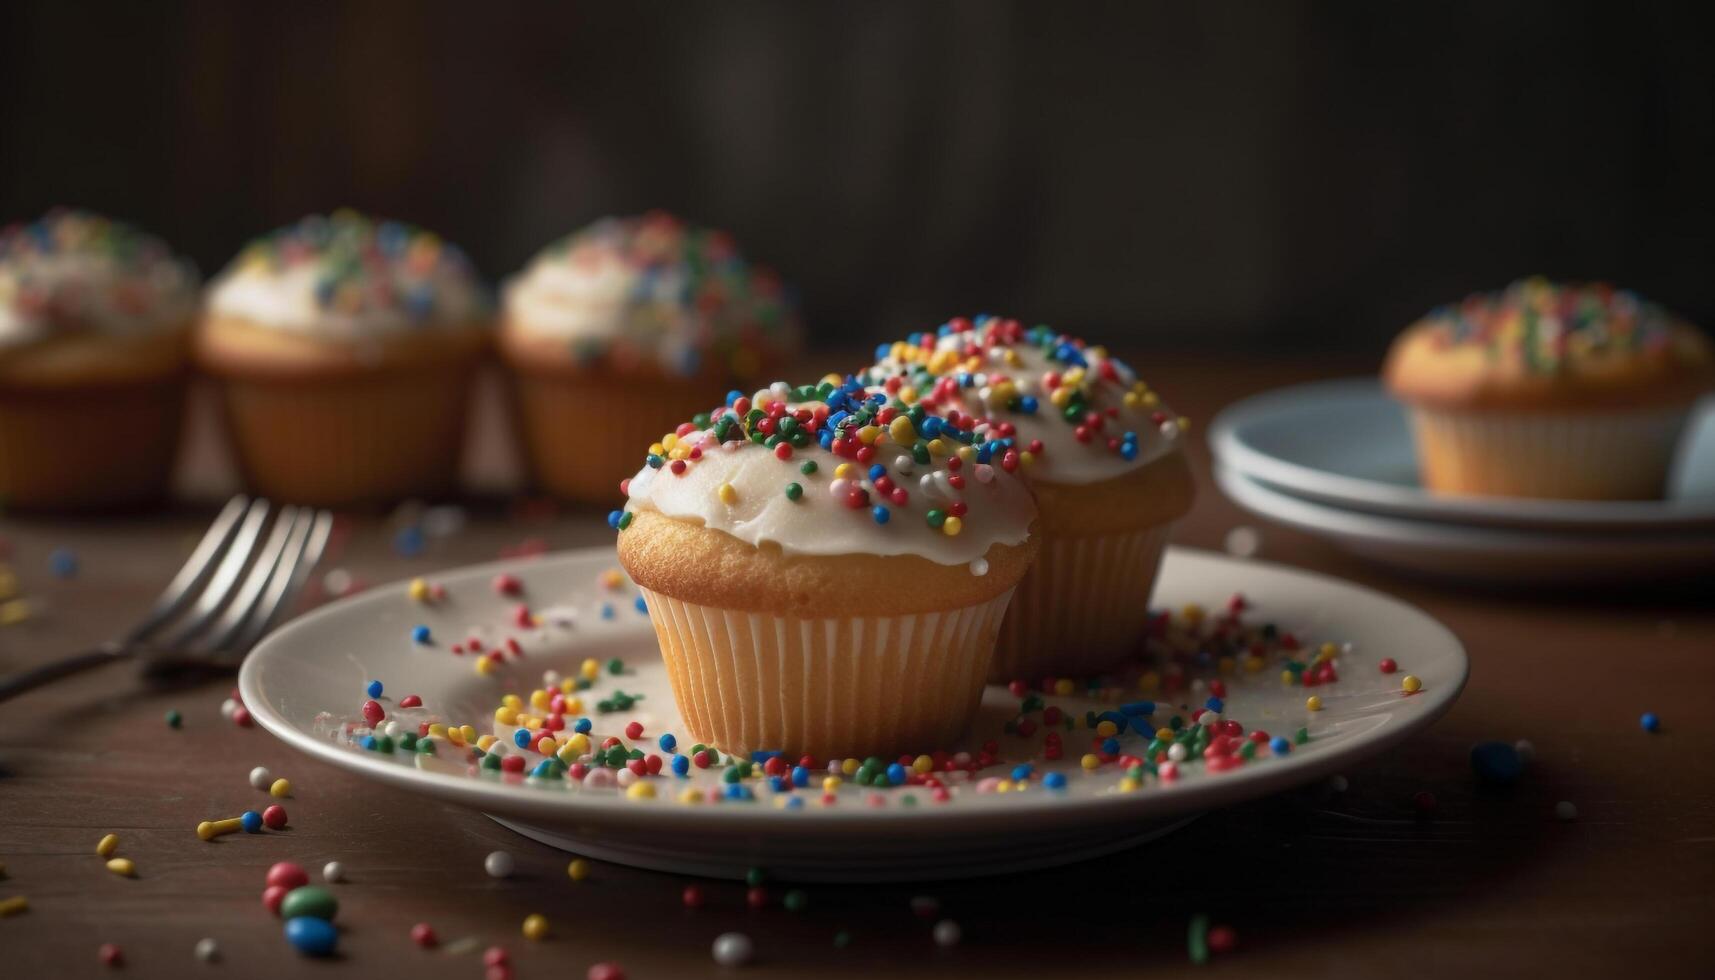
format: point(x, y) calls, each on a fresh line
point(1347, 443)
point(1479, 553)
point(307, 679)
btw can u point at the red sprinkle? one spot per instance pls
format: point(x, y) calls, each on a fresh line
point(288, 875)
point(111, 954)
point(410, 701)
point(423, 935)
point(692, 897)
point(272, 896)
point(508, 584)
point(1388, 665)
point(241, 717)
point(274, 818)
point(605, 971)
point(373, 712)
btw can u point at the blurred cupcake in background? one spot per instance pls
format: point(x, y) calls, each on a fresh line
point(1576, 390)
point(1100, 450)
point(95, 318)
point(625, 328)
point(345, 348)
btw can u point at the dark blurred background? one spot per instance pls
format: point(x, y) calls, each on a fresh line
point(1271, 175)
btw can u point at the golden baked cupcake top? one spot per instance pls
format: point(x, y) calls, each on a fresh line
point(653, 292)
point(833, 469)
point(73, 273)
point(1072, 414)
point(347, 276)
point(1555, 346)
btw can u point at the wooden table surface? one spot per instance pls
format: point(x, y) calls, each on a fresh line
point(1316, 883)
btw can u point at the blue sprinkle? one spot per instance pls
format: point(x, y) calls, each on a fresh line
point(931, 427)
point(1279, 745)
point(1138, 708)
point(1215, 704)
point(543, 768)
point(420, 634)
point(763, 755)
point(1027, 405)
point(613, 517)
point(1650, 722)
point(877, 471)
point(374, 689)
point(881, 514)
point(1496, 763)
point(521, 738)
point(252, 822)
point(370, 743)
point(409, 541)
point(732, 398)
point(882, 351)
point(667, 742)
point(582, 726)
point(735, 791)
point(640, 605)
point(1110, 746)
point(1022, 771)
point(311, 936)
point(655, 462)
point(896, 774)
point(795, 803)
point(681, 765)
point(607, 610)
point(1128, 450)
point(1054, 780)
point(63, 563)
point(800, 776)
point(779, 784)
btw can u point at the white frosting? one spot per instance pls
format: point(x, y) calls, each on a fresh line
point(999, 506)
point(334, 278)
point(651, 288)
point(65, 274)
point(1064, 458)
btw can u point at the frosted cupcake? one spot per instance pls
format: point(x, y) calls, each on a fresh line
point(1102, 454)
point(826, 575)
point(1575, 391)
point(632, 324)
point(345, 348)
point(94, 324)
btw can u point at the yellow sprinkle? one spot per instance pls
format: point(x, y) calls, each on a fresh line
point(729, 496)
point(590, 669)
point(689, 795)
point(902, 431)
point(908, 395)
point(437, 730)
point(535, 928)
point(578, 870)
point(16, 905)
point(505, 715)
point(539, 700)
point(1254, 663)
point(657, 449)
point(952, 526)
point(1327, 650)
point(123, 867)
point(1288, 677)
point(966, 454)
point(468, 732)
point(1107, 728)
point(210, 829)
point(867, 434)
point(1149, 682)
point(1184, 423)
point(1064, 687)
point(1192, 613)
point(1026, 458)
point(1151, 399)
point(1164, 733)
point(849, 766)
point(418, 590)
point(568, 685)
point(281, 789)
point(107, 845)
point(1073, 375)
point(922, 764)
point(483, 742)
point(669, 440)
point(641, 790)
point(1410, 684)
point(1129, 785)
point(831, 783)
point(513, 701)
point(843, 471)
point(1090, 761)
point(1060, 396)
point(575, 706)
point(1132, 399)
point(1313, 703)
point(8, 583)
point(938, 447)
point(455, 736)
point(484, 666)
point(1004, 786)
point(14, 611)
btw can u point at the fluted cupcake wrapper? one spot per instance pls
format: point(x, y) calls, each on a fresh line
point(103, 446)
point(1082, 608)
point(831, 688)
point(1590, 455)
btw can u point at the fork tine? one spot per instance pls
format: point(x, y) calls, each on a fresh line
point(194, 572)
point(299, 558)
point(225, 581)
point(238, 611)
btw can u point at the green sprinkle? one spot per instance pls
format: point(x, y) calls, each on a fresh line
point(174, 719)
point(616, 666)
point(808, 468)
point(426, 746)
point(756, 876)
point(385, 744)
point(935, 518)
point(491, 761)
point(842, 939)
point(795, 900)
point(1301, 736)
point(793, 490)
point(1197, 939)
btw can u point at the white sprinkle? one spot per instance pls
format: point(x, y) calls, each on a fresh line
point(1565, 810)
point(948, 933)
point(902, 464)
point(227, 708)
point(1243, 541)
point(499, 864)
point(261, 778)
point(1176, 751)
point(1338, 783)
point(984, 472)
point(390, 728)
point(979, 566)
point(625, 777)
point(598, 779)
point(333, 872)
point(443, 522)
point(1209, 719)
point(336, 581)
point(208, 950)
point(838, 488)
point(733, 949)
point(780, 390)
point(1526, 751)
point(551, 678)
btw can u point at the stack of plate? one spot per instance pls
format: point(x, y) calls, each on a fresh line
point(1336, 459)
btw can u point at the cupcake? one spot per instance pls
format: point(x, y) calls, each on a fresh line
point(632, 324)
point(95, 318)
point(345, 348)
point(1576, 391)
point(1102, 454)
point(826, 573)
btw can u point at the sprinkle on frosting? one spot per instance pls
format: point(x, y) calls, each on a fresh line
point(72, 271)
point(838, 468)
point(1547, 326)
point(349, 274)
point(627, 290)
point(1078, 414)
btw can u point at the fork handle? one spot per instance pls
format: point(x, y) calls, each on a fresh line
point(47, 673)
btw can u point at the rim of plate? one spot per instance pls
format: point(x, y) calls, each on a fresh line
point(1159, 801)
point(1228, 443)
point(1307, 515)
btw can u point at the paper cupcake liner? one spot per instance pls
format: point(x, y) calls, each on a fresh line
point(345, 442)
point(89, 448)
point(1585, 456)
point(1082, 608)
point(583, 436)
point(831, 688)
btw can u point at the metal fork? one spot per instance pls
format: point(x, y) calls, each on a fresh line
point(247, 568)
